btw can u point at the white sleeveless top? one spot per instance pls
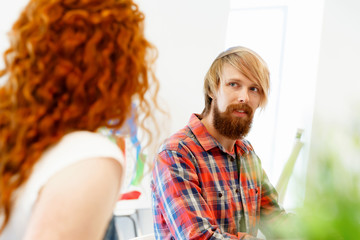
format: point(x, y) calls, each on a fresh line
point(72, 148)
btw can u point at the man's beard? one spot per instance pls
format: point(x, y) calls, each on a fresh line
point(231, 126)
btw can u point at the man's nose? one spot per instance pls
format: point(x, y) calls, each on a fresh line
point(243, 96)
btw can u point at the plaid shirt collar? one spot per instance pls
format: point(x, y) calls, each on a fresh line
point(209, 142)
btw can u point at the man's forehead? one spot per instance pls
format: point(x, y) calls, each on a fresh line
point(229, 72)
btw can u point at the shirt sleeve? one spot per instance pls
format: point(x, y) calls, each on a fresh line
point(272, 216)
point(180, 200)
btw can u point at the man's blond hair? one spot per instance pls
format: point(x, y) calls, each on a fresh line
point(247, 62)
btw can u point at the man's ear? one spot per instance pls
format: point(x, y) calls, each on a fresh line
point(211, 95)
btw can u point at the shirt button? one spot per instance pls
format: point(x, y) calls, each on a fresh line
point(232, 159)
point(220, 194)
point(237, 190)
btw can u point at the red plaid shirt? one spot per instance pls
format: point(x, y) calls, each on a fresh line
point(197, 191)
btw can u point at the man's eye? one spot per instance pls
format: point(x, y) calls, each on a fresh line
point(233, 84)
point(254, 89)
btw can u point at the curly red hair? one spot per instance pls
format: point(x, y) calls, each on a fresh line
point(72, 65)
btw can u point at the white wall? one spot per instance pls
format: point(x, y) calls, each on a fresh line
point(9, 12)
point(337, 104)
point(189, 35)
point(338, 74)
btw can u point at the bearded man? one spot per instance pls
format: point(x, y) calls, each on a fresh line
point(208, 183)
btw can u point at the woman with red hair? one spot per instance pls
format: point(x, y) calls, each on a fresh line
point(73, 66)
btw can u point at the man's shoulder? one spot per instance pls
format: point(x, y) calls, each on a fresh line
point(179, 140)
point(245, 145)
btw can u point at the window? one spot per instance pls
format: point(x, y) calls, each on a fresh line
point(289, 43)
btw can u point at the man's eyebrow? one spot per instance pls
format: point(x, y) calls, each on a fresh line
point(233, 79)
